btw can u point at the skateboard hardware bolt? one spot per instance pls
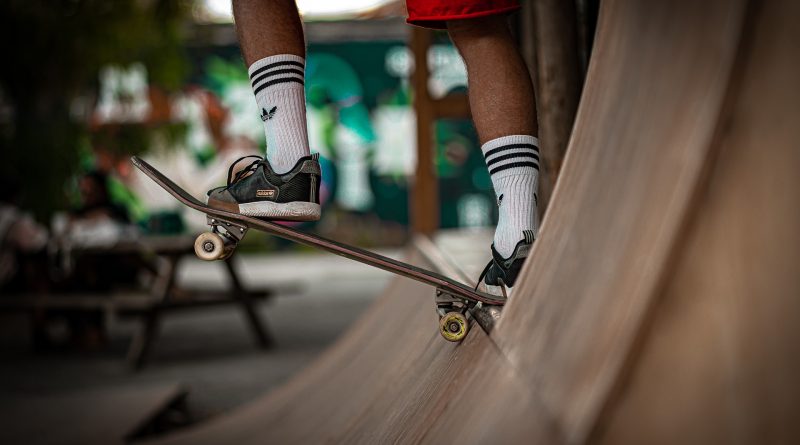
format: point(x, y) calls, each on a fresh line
point(208, 246)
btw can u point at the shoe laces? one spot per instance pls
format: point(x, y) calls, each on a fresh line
point(502, 284)
point(483, 274)
point(241, 174)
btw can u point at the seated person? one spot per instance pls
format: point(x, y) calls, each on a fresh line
point(97, 224)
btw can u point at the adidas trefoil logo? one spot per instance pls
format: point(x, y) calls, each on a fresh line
point(267, 115)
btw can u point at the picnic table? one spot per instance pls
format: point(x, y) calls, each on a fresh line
point(158, 256)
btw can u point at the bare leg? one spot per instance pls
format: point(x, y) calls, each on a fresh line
point(500, 90)
point(504, 111)
point(285, 184)
point(267, 28)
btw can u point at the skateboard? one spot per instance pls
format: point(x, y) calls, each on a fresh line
point(456, 303)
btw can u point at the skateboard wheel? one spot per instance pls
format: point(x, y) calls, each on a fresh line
point(209, 246)
point(453, 326)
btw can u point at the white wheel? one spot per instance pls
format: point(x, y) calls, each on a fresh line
point(209, 246)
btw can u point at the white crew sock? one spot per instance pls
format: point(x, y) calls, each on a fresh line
point(278, 85)
point(513, 163)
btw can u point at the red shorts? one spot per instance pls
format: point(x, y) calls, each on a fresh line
point(435, 13)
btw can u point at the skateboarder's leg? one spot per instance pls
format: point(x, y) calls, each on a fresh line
point(271, 37)
point(504, 111)
point(286, 185)
point(268, 28)
point(500, 89)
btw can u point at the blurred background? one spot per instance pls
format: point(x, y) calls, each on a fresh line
point(165, 81)
point(98, 279)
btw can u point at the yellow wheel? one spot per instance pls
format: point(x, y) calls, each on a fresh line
point(209, 246)
point(453, 326)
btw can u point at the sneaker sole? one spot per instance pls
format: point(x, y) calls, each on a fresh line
point(290, 211)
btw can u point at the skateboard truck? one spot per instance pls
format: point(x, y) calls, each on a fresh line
point(221, 241)
point(455, 313)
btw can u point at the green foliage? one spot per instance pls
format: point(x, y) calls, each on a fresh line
point(135, 139)
point(52, 53)
point(221, 73)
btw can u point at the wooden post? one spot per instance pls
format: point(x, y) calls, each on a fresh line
point(425, 191)
point(551, 49)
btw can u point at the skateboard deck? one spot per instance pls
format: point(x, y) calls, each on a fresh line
point(454, 299)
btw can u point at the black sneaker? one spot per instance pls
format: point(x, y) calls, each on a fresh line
point(258, 191)
point(500, 275)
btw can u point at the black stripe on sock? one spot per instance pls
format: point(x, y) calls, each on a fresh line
point(514, 165)
point(529, 236)
point(276, 73)
point(273, 65)
point(512, 156)
point(510, 147)
point(277, 81)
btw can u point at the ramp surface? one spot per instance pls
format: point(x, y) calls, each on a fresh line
point(661, 302)
point(98, 416)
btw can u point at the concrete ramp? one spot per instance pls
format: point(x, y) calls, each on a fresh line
point(662, 302)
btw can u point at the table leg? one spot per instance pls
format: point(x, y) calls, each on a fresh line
point(142, 343)
point(261, 333)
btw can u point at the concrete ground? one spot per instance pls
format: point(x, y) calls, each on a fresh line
point(209, 351)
